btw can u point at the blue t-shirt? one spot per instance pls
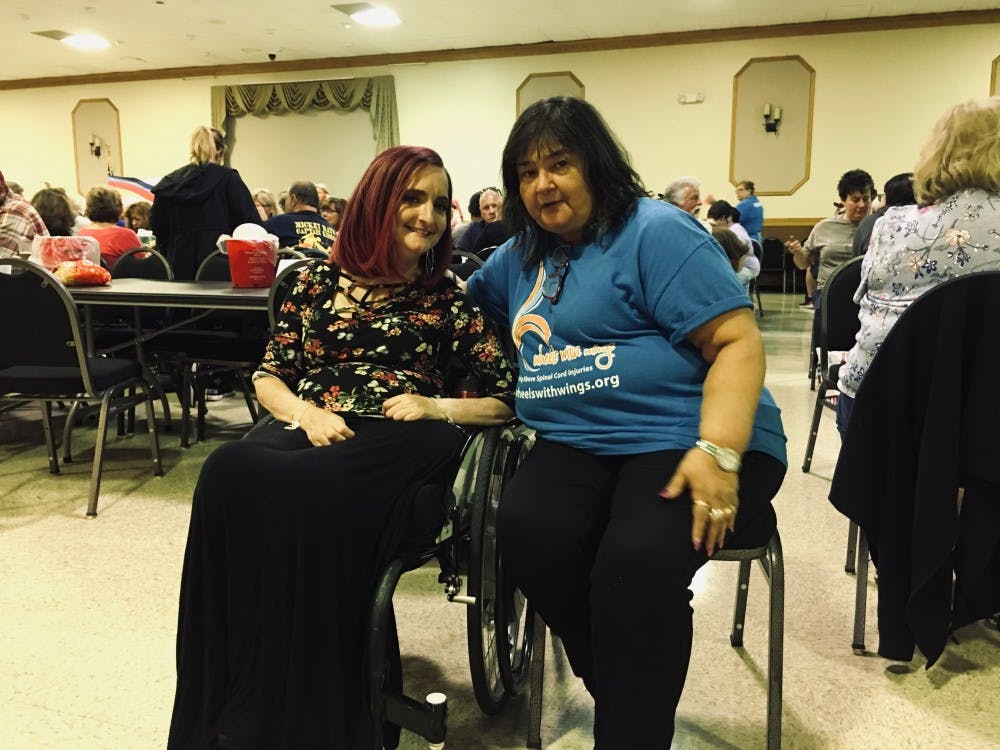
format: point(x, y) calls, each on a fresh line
point(751, 216)
point(609, 369)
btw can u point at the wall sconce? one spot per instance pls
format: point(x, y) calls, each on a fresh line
point(772, 118)
point(95, 147)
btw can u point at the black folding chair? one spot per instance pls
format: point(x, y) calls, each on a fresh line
point(53, 365)
point(838, 327)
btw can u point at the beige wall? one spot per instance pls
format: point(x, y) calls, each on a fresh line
point(877, 95)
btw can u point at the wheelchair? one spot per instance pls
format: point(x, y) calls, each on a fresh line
point(456, 525)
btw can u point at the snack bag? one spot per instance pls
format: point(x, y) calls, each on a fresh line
point(81, 273)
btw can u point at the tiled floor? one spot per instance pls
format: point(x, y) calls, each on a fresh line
point(88, 609)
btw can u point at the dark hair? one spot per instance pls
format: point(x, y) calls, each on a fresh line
point(733, 245)
point(56, 212)
point(720, 210)
point(747, 185)
point(855, 181)
point(899, 190)
point(104, 204)
point(305, 193)
point(474, 204)
point(494, 234)
point(366, 241)
point(572, 124)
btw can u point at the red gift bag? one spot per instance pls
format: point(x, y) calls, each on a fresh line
point(251, 262)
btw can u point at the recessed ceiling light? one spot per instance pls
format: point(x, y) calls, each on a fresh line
point(376, 17)
point(86, 41)
point(367, 14)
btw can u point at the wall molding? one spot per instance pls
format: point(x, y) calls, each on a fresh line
point(667, 39)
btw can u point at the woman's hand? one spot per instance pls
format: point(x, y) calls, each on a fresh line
point(409, 407)
point(324, 427)
point(714, 498)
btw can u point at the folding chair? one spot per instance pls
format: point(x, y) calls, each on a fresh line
point(838, 327)
point(772, 565)
point(54, 366)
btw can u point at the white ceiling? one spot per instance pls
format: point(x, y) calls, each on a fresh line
point(156, 34)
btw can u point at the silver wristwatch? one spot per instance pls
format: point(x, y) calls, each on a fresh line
point(726, 458)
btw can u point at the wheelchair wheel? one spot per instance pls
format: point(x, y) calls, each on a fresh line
point(515, 617)
point(483, 573)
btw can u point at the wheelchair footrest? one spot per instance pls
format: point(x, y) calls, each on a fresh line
point(426, 719)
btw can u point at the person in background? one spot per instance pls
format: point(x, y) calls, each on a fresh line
point(197, 203)
point(721, 215)
point(137, 215)
point(55, 210)
point(457, 217)
point(265, 202)
point(751, 210)
point(898, 192)
point(954, 231)
point(738, 253)
point(301, 224)
point(19, 222)
point(641, 372)
point(332, 209)
point(15, 188)
point(831, 241)
point(685, 193)
point(291, 525)
point(322, 192)
point(475, 225)
point(104, 206)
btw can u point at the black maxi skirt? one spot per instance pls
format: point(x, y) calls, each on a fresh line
point(284, 545)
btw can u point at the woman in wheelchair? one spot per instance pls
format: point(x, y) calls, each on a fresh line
point(289, 525)
point(641, 370)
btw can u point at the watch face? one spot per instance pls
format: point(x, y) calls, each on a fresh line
point(728, 460)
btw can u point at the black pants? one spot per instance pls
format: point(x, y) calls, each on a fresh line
point(607, 563)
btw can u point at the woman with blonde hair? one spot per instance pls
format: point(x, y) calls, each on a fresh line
point(267, 205)
point(953, 230)
point(198, 202)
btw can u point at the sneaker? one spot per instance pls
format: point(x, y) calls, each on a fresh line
point(211, 394)
point(806, 306)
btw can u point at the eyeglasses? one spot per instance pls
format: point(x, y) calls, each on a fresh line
point(553, 285)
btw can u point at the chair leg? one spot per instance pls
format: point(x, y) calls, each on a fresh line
point(740, 609)
point(776, 642)
point(154, 440)
point(760, 305)
point(68, 432)
point(184, 394)
point(98, 467)
point(860, 595)
point(537, 683)
point(50, 443)
point(852, 548)
point(813, 430)
point(242, 380)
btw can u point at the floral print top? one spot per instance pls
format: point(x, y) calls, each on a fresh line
point(913, 250)
point(353, 360)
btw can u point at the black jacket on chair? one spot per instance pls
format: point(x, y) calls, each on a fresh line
point(924, 424)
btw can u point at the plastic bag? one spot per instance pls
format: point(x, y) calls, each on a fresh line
point(49, 252)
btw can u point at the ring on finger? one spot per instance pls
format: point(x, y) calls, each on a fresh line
point(703, 504)
point(716, 513)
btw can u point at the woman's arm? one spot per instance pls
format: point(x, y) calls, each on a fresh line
point(465, 411)
point(732, 346)
point(321, 426)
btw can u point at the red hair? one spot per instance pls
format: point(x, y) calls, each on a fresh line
point(366, 240)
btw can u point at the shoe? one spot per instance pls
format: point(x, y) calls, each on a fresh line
point(211, 394)
point(806, 306)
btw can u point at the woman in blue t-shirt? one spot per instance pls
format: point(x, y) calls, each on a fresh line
point(641, 369)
